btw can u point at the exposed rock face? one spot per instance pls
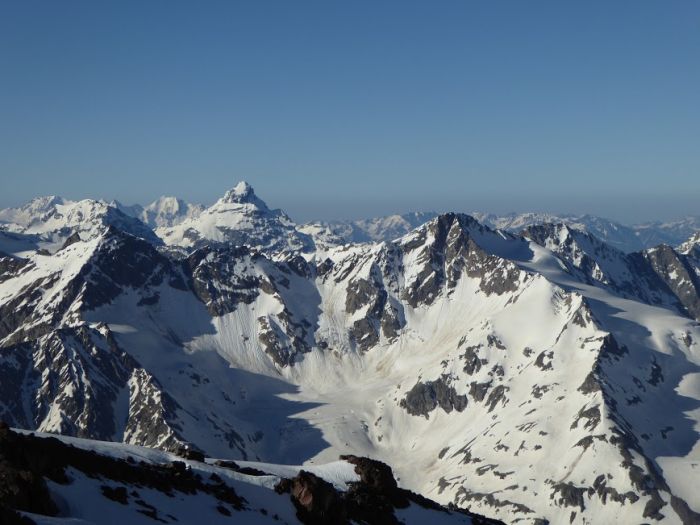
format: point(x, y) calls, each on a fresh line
point(10, 266)
point(75, 237)
point(513, 350)
point(72, 380)
point(26, 462)
point(219, 278)
point(316, 500)
point(122, 262)
point(153, 487)
point(381, 317)
point(119, 262)
point(423, 398)
point(659, 275)
point(446, 250)
point(375, 474)
point(372, 500)
point(679, 273)
point(22, 487)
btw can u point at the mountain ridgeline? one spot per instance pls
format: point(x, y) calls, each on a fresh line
point(523, 369)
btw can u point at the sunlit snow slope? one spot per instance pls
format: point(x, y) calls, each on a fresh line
point(531, 378)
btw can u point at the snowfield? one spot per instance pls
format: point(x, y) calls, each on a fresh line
point(537, 377)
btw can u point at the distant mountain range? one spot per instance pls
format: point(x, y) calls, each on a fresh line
point(184, 224)
point(530, 368)
point(623, 237)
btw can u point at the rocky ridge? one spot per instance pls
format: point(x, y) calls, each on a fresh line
point(505, 349)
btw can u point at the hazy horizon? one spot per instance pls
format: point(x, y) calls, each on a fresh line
point(356, 110)
point(378, 208)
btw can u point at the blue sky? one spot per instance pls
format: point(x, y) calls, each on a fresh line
point(346, 109)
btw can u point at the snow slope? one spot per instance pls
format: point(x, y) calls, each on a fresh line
point(538, 377)
point(164, 212)
point(239, 217)
point(93, 482)
point(47, 222)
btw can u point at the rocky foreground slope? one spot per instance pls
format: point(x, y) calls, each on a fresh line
point(532, 378)
point(47, 480)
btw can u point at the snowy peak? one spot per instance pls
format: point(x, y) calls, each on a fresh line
point(243, 197)
point(171, 205)
point(47, 222)
point(378, 229)
point(462, 355)
point(691, 247)
point(34, 210)
point(163, 212)
point(660, 276)
point(238, 218)
point(672, 233)
point(622, 237)
point(242, 193)
point(626, 238)
point(169, 211)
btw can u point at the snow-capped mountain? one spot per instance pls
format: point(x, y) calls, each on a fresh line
point(691, 246)
point(48, 222)
point(387, 228)
point(626, 238)
point(672, 233)
point(534, 378)
point(239, 217)
point(164, 212)
point(660, 275)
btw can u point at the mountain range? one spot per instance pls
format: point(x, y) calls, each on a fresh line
point(529, 368)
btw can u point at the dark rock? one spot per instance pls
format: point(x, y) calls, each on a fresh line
point(118, 494)
point(653, 507)
point(74, 238)
point(218, 277)
point(250, 471)
point(478, 391)
point(371, 501)
point(12, 517)
point(25, 460)
point(187, 451)
point(374, 474)
point(316, 500)
point(472, 361)
point(544, 360)
point(569, 495)
point(590, 385)
point(423, 398)
point(11, 266)
point(591, 415)
point(498, 394)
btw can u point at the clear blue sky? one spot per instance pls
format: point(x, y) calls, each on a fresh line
point(344, 109)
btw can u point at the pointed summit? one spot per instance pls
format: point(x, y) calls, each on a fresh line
point(243, 193)
point(238, 218)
